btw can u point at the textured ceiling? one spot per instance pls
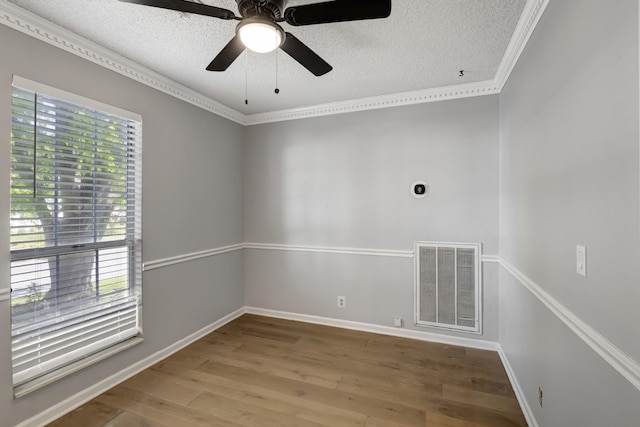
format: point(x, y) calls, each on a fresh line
point(423, 45)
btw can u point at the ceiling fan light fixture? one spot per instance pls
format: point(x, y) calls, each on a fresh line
point(260, 36)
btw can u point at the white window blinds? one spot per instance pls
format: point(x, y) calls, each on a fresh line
point(75, 231)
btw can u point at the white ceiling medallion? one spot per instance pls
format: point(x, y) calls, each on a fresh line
point(41, 29)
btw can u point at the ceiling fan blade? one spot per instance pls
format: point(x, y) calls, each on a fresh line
point(337, 11)
point(187, 6)
point(227, 55)
point(305, 56)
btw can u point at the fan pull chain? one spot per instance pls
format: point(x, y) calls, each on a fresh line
point(246, 77)
point(277, 91)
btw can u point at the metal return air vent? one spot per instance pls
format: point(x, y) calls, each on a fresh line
point(448, 286)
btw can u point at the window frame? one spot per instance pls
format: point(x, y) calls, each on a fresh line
point(132, 241)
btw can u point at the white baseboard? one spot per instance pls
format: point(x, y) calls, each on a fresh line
point(524, 405)
point(377, 329)
point(73, 402)
point(68, 405)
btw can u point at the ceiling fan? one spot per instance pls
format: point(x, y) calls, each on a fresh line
point(259, 30)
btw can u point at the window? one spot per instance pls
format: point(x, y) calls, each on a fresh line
point(448, 286)
point(75, 233)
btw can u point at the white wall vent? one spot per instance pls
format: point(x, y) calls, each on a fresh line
point(448, 285)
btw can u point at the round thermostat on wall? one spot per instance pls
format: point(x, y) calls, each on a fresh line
point(419, 189)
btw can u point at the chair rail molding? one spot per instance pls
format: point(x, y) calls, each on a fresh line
point(165, 262)
point(625, 365)
point(191, 256)
point(330, 250)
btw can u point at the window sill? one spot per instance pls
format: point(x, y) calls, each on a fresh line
point(40, 382)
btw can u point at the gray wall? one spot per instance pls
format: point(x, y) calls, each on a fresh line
point(569, 176)
point(344, 181)
point(192, 200)
point(564, 138)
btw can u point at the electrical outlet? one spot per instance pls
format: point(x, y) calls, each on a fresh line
point(342, 302)
point(540, 396)
point(397, 322)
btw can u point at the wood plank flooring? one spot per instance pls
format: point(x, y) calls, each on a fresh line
point(258, 371)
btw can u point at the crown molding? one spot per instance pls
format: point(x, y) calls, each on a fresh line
point(31, 24)
point(376, 102)
point(39, 28)
point(529, 19)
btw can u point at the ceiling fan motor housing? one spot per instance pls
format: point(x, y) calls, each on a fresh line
point(271, 9)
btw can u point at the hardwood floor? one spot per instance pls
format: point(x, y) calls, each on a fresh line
point(258, 371)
